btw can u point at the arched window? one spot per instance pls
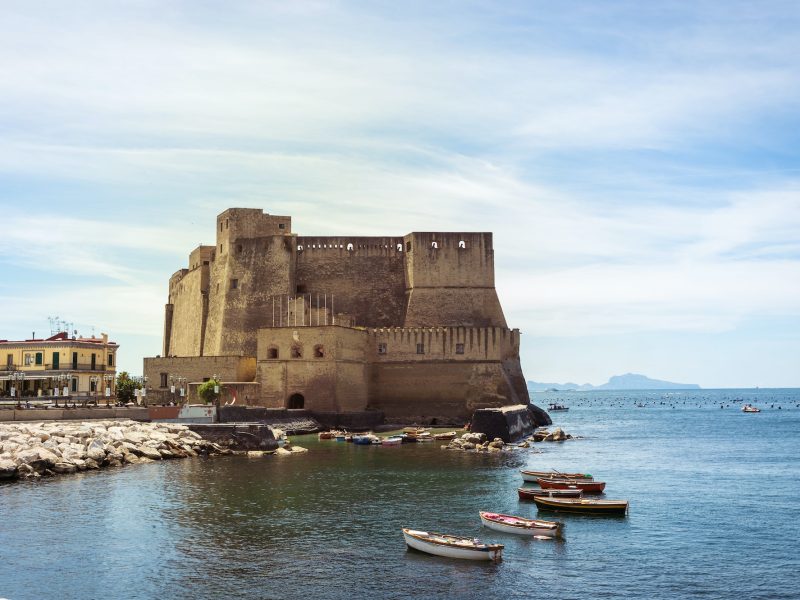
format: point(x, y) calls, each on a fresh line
point(319, 351)
point(272, 352)
point(300, 248)
point(350, 247)
point(295, 402)
point(297, 351)
point(462, 244)
point(435, 245)
point(399, 247)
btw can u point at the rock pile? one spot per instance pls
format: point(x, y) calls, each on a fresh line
point(477, 442)
point(557, 435)
point(59, 447)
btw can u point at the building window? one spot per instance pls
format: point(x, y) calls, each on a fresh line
point(272, 353)
point(205, 263)
point(297, 352)
point(220, 249)
point(164, 375)
point(227, 223)
point(459, 348)
point(28, 360)
point(234, 284)
point(281, 226)
point(74, 384)
point(110, 360)
point(39, 358)
point(239, 248)
point(462, 244)
point(420, 348)
point(382, 348)
point(435, 245)
point(408, 246)
point(75, 361)
point(9, 360)
point(92, 385)
point(220, 225)
point(319, 351)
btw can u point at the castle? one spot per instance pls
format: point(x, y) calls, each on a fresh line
point(409, 326)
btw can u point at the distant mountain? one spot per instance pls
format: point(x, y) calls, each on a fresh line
point(629, 381)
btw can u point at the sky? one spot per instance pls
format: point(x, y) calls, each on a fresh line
point(638, 163)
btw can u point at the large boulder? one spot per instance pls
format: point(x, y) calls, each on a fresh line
point(8, 469)
point(149, 452)
point(539, 416)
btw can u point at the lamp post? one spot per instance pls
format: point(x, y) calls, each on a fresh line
point(19, 379)
point(217, 390)
point(108, 378)
point(184, 391)
point(172, 379)
point(95, 381)
point(67, 385)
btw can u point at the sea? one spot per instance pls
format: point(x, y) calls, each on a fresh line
point(713, 491)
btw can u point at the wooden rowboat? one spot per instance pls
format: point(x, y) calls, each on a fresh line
point(532, 476)
point(452, 546)
point(445, 436)
point(586, 486)
point(521, 525)
point(583, 505)
point(531, 493)
point(393, 440)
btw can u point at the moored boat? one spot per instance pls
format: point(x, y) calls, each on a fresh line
point(749, 408)
point(531, 493)
point(586, 486)
point(557, 407)
point(452, 546)
point(329, 435)
point(521, 525)
point(532, 476)
point(392, 440)
point(583, 505)
point(365, 439)
point(450, 435)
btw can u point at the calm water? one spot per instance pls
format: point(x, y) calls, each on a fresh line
point(713, 493)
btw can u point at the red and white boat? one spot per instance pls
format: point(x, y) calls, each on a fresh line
point(521, 525)
point(586, 486)
point(532, 476)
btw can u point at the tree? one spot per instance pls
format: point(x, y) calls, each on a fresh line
point(206, 391)
point(126, 387)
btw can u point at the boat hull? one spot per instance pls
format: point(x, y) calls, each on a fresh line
point(583, 505)
point(531, 493)
point(587, 487)
point(533, 476)
point(492, 552)
point(531, 527)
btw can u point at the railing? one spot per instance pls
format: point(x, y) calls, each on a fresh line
point(62, 366)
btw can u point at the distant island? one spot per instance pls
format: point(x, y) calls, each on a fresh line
point(629, 381)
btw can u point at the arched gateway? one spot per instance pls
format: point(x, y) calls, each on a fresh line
point(296, 401)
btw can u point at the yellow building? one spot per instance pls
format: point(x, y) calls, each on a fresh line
point(45, 367)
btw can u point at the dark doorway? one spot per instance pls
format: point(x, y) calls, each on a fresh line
point(296, 401)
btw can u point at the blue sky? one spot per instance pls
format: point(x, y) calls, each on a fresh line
point(637, 162)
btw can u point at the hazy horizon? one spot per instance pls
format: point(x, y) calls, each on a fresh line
point(637, 164)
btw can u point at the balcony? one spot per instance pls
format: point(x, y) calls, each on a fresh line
point(64, 366)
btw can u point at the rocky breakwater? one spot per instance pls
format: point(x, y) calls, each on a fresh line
point(477, 442)
point(33, 450)
point(557, 435)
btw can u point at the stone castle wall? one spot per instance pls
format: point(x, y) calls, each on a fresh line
point(408, 325)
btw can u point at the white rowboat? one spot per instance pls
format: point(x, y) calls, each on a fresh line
point(452, 546)
point(520, 525)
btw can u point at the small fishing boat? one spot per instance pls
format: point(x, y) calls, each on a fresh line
point(329, 435)
point(415, 430)
point(408, 439)
point(557, 407)
point(531, 493)
point(365, 439)
point(450, 435)
point(586, 486)
point(424, 437)
point(521, 525)
point(750, 408)
point(452, 546)
point(393, 440)
point(532, 476)
point(583, 505)
point(340, 437)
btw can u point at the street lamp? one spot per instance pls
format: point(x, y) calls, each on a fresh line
point(95, 381)
point(107, 379)
point(18, 376)
point(184, 391)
